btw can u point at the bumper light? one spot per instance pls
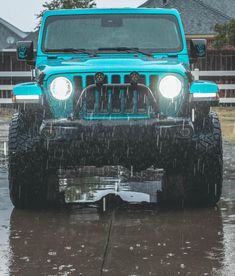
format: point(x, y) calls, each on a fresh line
point(186, 132)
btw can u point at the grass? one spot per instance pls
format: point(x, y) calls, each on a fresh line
point(227, 120)
point(6, 113)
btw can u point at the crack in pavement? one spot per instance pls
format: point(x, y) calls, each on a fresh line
point(107, 242)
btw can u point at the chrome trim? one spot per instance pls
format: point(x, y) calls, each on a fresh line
point(154, 101)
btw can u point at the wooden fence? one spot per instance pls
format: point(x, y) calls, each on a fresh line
point(13, 77)
point(225, 80)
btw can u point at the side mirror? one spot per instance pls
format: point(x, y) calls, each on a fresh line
point(25, 51)
point(198, 48)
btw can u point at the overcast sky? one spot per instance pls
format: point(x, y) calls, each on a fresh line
point(21, 13)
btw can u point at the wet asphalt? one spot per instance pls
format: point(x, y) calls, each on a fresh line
point(130, 240)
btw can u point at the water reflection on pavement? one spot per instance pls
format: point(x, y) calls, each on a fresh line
point(128, 240)
point(141, 242)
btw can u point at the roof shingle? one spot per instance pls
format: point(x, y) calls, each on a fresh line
point(224, 6)
point(14, 29)
point(197, 15)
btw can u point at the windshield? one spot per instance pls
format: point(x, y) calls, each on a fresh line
point(152, 32)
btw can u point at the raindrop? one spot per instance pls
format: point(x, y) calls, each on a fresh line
point(25, 258)
point(171, 254)
point(52, 253)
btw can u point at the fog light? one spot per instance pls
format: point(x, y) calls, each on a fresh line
point(134, 77)
point(48, 133)
point(99, 78)
point(185, 132)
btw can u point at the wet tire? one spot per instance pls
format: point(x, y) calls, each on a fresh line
point(28, 177)
point(204, 173)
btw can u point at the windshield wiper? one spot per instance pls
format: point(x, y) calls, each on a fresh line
point(70, 50)
point(127, 49)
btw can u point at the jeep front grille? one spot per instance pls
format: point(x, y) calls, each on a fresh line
point(115, 97)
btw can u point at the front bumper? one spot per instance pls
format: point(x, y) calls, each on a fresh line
point(138, 143)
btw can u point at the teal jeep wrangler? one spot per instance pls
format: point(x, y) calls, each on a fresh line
point(114, 87)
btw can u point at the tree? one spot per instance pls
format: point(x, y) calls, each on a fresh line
point(64, 4)
point(225, 34)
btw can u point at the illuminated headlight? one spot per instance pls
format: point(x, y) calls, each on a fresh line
point(170, 86)
point(61, 88)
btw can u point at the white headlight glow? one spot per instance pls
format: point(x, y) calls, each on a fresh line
point(61, 88)
point(170, 86)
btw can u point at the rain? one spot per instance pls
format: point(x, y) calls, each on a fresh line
point(102, 223)
point(117, 162)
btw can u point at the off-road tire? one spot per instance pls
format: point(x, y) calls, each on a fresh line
point(204, 173)
point(28, 177)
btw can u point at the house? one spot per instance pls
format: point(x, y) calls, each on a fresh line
point(199, 19)
point(9, 34)
point(199, 16)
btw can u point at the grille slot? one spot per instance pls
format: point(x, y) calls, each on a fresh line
point(129, 100)
point(103, 100)
point(90, 101)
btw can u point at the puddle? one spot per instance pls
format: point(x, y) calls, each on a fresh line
point(81, 187)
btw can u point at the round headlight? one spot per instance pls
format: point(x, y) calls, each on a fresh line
point(170, 87)
point(61, 88)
